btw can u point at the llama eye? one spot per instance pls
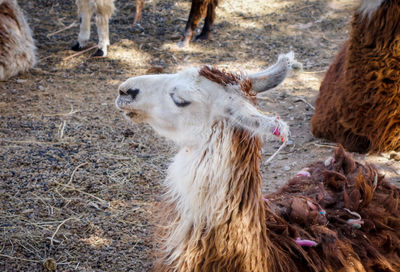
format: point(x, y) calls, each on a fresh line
point(180, 102)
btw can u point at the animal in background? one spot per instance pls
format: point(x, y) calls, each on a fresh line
point(358, 104)
point(17, 47)
point(335, 215)
point(103, 9)
point(199, 9)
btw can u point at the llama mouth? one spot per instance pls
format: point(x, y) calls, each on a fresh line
point(123, 103)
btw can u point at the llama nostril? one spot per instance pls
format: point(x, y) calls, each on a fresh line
point(121, 92)
point(133, 93)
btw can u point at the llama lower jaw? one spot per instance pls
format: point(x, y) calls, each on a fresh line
point(135, 117)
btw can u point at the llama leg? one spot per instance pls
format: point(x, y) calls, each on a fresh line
point(209, 21)
point(85, 13)
point(139, 8)
point(196, 13)
point(104, 10)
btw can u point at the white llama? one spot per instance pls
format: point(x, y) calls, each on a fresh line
point(104, 9)
point(216, 217)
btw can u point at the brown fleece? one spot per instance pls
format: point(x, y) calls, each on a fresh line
point(359, 100)
point(258, 235)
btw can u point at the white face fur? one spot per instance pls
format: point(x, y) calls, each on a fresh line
point(174, 105)
point(184, 106)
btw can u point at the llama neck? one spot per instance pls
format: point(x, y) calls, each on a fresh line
point(216, 192)
point(378, 28)
point(209, 181)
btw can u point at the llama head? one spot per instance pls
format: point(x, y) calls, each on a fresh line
point(184, 106)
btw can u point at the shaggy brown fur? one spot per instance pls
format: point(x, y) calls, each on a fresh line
point(240, 242)
point(258, 235)
point(17, 49)
point(344, 184)
point(359, 100)
point(225, 78)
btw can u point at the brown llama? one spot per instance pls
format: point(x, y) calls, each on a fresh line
point(17, 48)
point(199, 9)
point(334, 216)
point(358, 104)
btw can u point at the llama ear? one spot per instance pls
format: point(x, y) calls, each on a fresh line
point(275, 74)
point(249, 118)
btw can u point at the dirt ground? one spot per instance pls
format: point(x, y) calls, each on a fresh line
point(78, 184)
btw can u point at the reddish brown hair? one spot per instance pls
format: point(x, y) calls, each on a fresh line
point(359, 100)
point(225, 78)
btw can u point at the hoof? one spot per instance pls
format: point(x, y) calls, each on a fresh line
point(77, 47)
point(184, 43)
point(186, 39)
point(99, 53)
point(137, 28)
point(203, 36)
